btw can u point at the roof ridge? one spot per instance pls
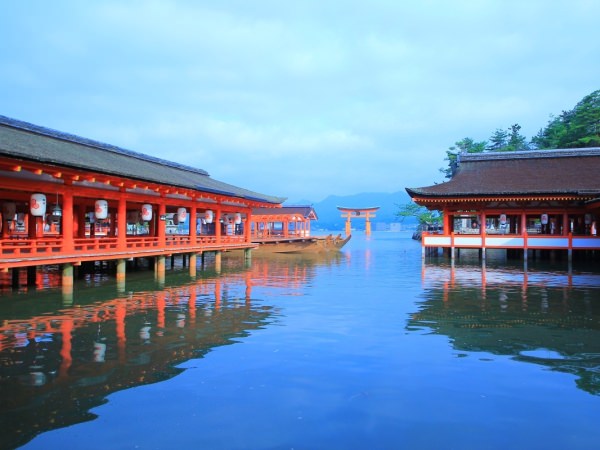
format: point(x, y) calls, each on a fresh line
point(60, 135)
point(531, 154)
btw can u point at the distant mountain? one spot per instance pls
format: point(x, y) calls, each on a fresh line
point(330, 217)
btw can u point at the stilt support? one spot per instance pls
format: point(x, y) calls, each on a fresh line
point(121, 274)
point(193, 263)
point(31, 275)
point(15, 277)
point(218, 255)
point(159, 269)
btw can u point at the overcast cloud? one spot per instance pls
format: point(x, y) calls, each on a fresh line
point(298, 99)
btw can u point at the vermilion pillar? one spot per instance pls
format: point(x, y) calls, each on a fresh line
point(161, 224)
point(122, 224)
point(67, 222)
point(192, 223)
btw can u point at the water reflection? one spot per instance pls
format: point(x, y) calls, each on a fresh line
point(59, 360)
point(542, 317)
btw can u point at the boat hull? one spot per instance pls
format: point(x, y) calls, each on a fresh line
point(313, 244)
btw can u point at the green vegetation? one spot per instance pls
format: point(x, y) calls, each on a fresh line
point(577, 128)
point(424, 217)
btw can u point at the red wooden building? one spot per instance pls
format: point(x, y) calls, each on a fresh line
point(288, 221)
point(546, 199)
point(66, 200)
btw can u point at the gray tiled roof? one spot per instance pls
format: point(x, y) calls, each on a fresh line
point(304, 211)
point(542, 172)
point(35, 143)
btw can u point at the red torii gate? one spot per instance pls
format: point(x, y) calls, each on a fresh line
point(367, 213)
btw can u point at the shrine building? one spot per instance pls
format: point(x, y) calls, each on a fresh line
point(529, 200)
point(287, 222)
point(67, 200)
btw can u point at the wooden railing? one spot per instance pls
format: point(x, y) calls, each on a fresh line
point(507, 241)
point(28, 247)
point(46, 250)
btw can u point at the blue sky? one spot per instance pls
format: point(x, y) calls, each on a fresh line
point(297, 99)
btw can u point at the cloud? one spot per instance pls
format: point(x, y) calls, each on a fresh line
point(298, 99)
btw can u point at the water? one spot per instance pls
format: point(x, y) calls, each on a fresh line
point(368, 348)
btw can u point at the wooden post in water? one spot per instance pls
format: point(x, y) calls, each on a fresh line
point(193, 263)
point(67, 284)
point(159, 269)
point(121, 274)
point(218, 260)
point(15, 277)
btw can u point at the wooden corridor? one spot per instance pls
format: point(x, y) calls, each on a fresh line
point(68, 200)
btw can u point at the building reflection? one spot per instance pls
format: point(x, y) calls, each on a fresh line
point(59, 361)
point(547, 318)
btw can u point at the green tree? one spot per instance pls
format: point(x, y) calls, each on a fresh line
point(508, 141)
point(516, 141)
point(498, 140)
point(465, 145)
point(577, 128)
point(424, 217)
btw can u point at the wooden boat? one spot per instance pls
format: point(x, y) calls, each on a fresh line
point(309, 244)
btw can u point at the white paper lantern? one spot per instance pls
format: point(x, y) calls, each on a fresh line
point(37, 205)
point(181, 215)
point(237, 218)
point(101, 209)
point(208, 216)
point(146, 212)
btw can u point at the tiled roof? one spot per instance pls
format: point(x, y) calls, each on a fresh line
point(30, 142)
point(304, 211)
point(542, 172)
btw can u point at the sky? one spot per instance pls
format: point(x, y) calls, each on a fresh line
point(301, 99)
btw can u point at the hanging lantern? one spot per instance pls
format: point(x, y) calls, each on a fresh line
point(37, 205)
point(237, 218)
point(9, 210)
point(544, 219)
point(56, 213)
point(208, 216)
point(181, 215)
point(101, 209)
point(146, 212)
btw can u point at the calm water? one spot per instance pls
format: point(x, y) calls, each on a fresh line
point(367, 349)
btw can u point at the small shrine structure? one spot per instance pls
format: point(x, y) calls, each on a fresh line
point(528, 200)
point(287, 221)
point(360, 213)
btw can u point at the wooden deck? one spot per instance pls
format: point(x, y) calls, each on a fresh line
point(44, 251)
point(569, 242)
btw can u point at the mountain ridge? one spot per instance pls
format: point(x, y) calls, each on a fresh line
point(329, 217)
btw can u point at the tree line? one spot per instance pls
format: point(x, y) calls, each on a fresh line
point(577, 128)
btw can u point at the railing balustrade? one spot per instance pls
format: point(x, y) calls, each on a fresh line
point(512, 241)
point(22, 247)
